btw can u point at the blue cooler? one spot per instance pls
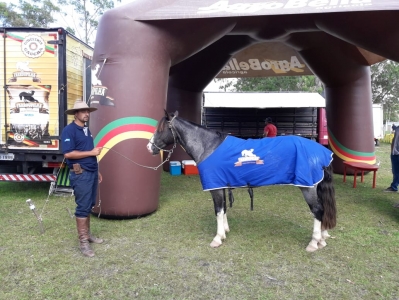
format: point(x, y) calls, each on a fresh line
point(175, 168)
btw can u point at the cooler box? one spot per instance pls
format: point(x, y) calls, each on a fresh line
point(189, 167)
point(175, 168)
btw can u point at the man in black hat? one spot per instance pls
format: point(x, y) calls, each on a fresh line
point(270, 129)
point(81, 156)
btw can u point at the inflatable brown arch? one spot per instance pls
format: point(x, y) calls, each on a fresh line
point(152, 55)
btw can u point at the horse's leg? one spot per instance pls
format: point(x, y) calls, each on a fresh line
point(218, 199)
point(324, 236)
point(316, 237)
point(225, 223)
point(316, 208)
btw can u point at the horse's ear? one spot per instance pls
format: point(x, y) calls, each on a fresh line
point(176, 113)
point(166, 114)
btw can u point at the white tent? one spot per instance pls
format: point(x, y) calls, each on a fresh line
point(263, 100)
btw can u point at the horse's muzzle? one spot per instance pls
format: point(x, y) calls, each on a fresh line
point(149, 148)
point(153, 150)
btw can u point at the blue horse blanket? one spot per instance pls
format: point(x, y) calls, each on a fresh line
point(289, 160)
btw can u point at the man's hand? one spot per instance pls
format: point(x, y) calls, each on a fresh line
point(97, 151)
point(100, 177)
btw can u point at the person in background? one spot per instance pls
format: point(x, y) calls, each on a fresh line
point(81, 156)
point(394, 162)
point(270, 129)
point(393, 127)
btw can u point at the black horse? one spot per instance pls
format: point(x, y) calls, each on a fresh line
point(203, 144)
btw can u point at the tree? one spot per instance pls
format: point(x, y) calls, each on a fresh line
point(35, 13)
point(385, 89)
point(384, 86)
point(281, 83)
point(42, 13)
point(89, 12)
point(8, 17)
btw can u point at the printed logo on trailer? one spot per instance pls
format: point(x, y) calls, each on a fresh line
point(19, 138)
point(29, 116)
point(33, 46)
point(24, 71)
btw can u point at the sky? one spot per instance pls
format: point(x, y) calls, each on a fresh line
point(71, 19)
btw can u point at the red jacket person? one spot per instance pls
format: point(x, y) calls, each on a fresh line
point(270, 129)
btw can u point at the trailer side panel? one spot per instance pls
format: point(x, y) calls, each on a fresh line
point(31, 104)
point(78, 71)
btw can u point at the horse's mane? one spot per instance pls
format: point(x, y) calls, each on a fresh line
point(163, 123)
point(218, 133)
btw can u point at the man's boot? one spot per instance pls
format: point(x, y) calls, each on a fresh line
point(93, 239)
point(83, 233)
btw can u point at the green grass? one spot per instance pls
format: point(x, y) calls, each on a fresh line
point(167, 256)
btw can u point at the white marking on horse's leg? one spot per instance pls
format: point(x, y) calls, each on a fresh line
point(220, 234)
point(316, 236)
point(225, 223)
point(324, 236)
point(321, 244)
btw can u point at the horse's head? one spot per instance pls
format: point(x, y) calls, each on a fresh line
point(163, 135)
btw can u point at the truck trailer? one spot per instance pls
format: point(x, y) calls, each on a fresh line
point(44, 71)
point(243, 114)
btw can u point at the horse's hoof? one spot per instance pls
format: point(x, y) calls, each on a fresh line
point(310, 248)
point(215, 244)
point(321, 245)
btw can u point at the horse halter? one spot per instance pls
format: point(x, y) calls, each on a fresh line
point(174, 143)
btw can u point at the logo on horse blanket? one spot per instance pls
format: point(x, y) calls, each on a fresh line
point(289, 160)
point(247, 156)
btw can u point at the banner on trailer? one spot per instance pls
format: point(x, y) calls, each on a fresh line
point(32, 84)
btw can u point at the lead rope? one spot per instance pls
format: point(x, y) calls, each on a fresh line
point(53, 184)
point(148, 167)
point(99, 191)
point(170, 152)
point(33, 207)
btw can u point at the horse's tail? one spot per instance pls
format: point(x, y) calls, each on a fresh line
point(326, 193)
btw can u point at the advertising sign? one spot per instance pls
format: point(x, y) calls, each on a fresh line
point(32, 83)
point(263, 60)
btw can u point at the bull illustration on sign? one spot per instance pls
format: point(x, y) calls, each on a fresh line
point(27, 97)
point(23, 66)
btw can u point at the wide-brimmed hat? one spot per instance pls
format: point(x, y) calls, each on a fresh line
point(79, 104)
